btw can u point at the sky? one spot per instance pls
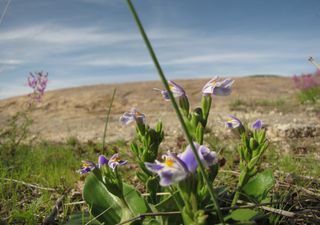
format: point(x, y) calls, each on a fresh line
point(85, 42)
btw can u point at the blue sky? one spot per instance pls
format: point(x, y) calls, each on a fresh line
point(84, 42)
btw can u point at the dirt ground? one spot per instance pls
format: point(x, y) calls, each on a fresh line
point(80, 112)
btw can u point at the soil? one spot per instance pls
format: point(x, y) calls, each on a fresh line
point(80, 112)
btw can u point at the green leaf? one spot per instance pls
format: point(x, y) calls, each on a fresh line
point(259, 186)
point(108, 207)
point(100, 201)
point(199, 133)
point(242, 215)
point(134, 200)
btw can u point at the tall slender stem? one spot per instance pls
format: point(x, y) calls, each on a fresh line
point(174, 103)
point(107, 119)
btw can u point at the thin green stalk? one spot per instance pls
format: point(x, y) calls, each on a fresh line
point(242, 179)
point(174, 103)
point(107, 119)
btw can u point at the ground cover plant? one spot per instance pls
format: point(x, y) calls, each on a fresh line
point(308, 85)
point(242, 178)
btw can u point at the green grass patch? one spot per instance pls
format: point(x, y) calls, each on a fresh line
point(47, 165)
point(310, 95)
point(280, 104)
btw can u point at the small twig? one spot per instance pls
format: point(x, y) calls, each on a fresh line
point(75, 203)
point(269, 209)
point(158, 194)
point(59, 203)
point(28, 184)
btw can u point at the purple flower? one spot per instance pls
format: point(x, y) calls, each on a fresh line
point(38, 82)
point(176, 90)
point(133, 115)
point(172, 170)
point(207, 157)
point(87, 166)
point(215, 87)
point(115, 161)
point(176, 168)
point(257, 125)
point(233, 122)
point(306, 81)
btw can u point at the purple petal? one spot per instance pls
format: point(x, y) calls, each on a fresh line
point(165, 95)
point(102, 161)
point(154, 167)
point(214, 87)
point(257, 125)
point(189, 159)
point(221, 91)
point(87, 167)
point(84, 170)
point(127, 118)
point(233, 122)
point(122, 162)
point(115, 161)
point(88, 163)
point(176, 89)
point(208, 157)
point(114, 157)
point(166, 178)
point(227, 83)
point(113, 165)
point(229, 125)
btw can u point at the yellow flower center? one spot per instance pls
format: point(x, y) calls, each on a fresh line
point(230, 120)
point(115, 159)
point(137, 113)
point(85, 164)
point(169, 162)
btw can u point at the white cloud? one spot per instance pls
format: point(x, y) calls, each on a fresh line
point(55, 34)
point(10, 61)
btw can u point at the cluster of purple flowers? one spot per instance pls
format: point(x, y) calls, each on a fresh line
point(38, 82)
point(113, 162)
point(233, 122)
point(213, 87)
point(307, 81)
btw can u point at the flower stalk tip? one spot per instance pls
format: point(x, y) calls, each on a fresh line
point(134, 115)
point(216, 87)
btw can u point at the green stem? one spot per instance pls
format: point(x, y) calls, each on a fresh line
point(242, 179)
point(172, 191)
point(174, 103)
point(107, 119)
